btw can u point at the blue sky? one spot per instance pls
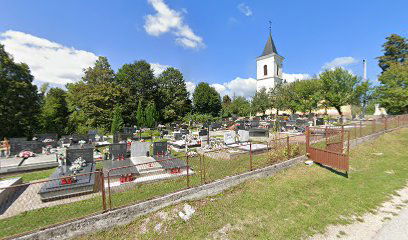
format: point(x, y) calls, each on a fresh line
point(215, 41)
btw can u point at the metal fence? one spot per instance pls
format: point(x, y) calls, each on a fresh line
point(124, 183)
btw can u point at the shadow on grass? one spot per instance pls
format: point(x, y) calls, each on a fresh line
point(342, 174)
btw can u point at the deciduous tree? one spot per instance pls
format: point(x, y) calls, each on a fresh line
point(206, 100)
point(339, 88)
point(19, 100)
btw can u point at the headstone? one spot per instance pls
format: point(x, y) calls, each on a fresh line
point(319, 121)
point(184, 131)
point(159, 148)
point(258, 132)
point(33, 146)
point(229, 137)
point(177, 136)
point(203, 132)
point(243, 135)
point(76, 151)
point(117, 150)
point(139, 149)
point(294, 116)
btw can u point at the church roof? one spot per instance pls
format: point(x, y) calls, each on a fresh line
point(269, 47)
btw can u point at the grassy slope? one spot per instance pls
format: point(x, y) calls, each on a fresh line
point(293, 204)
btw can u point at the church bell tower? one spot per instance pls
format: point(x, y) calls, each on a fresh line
point(269, 67)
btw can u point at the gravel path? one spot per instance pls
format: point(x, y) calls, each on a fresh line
point(389, 222)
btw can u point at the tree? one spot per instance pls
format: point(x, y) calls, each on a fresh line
point(174, 102)
point(140, 116)
point(226, 99)
point(261, 101)
point(226, 106)
point(94, 97)
point(288, 97)
point(392, 94)
point(151, 115)
point(138, 83)
point(276, 98)
point(308, 94)
point(338, 88)
point(395, 51)
point(54, 112)
point(117, 120)
point(240, 107)
point(206, 100)
point(19, 100)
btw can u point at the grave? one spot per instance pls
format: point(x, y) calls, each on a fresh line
point(243, 135)
point(118, 151)
point(7, 192)
point(68, 182)
point(177, 136)
point(33, 146)
point(258, 132)
point(229, 137)
point(159, 148)
point(319, 121)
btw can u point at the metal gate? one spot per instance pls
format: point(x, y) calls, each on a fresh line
point(327, 147)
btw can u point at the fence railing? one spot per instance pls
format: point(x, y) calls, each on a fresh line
point(127, 183)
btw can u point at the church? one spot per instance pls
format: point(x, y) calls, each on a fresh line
point(269, 67)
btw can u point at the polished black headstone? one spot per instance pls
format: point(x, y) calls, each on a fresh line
point(117, 150)
point(76, 151)
point(159, 148)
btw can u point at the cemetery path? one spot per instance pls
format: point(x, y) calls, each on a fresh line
point(390, 221)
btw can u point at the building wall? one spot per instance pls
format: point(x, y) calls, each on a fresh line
point(274, 73)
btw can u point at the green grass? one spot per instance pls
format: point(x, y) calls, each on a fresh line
point(293, 204)
point(33, 176)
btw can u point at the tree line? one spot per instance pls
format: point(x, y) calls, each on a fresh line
point(133, 96)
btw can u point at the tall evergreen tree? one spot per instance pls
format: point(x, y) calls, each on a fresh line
point(54, 112)
point(151, 115)
point(117, 120)
point(19, 100)
point(140, 116)
point(395, 51)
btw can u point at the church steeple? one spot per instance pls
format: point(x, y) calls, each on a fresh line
point(269, 66)
point(269, 47)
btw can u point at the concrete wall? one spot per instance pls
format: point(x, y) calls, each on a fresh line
point(126, 215)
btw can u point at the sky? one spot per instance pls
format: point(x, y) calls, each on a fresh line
point(214, 41)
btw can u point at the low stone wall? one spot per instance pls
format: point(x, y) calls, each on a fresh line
point(128, 214)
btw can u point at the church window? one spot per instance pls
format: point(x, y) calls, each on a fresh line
point(265, 70)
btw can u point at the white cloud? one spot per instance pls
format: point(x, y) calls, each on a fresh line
point(158, 68)
point(190, 87)
point(48, 61)
point(170, 20)
point(291, 77)
point(243, 8)
point(245, 87)
point(339, 62)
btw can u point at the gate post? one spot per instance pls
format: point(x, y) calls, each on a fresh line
point(361, 129)
point(102, 186)
point(288, 146)
point(250, 156)
point(342, 138)
point(307, 139)
point(188, 171)
point(385, 124)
